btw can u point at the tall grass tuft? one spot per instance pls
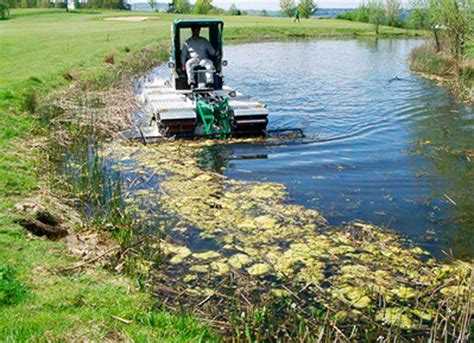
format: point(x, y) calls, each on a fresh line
point(12, 291)
point(460, 73)
point(425, 59)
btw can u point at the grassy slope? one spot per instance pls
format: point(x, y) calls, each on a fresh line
point(52, 42)
point(79, 306)
point(37, 47)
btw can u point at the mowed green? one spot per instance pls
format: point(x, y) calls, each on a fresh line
point(45, 43)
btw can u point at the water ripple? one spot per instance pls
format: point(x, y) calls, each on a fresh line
point(382, 145)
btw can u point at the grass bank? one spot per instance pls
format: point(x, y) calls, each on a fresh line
point(458, 75)
point(38, 301)
point(41, 51)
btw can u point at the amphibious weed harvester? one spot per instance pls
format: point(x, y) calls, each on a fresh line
point(215, 110)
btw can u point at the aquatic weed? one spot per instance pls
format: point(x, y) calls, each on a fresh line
point(344, 282)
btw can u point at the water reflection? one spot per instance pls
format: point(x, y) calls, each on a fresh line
point(445, 139)
point(218, 158)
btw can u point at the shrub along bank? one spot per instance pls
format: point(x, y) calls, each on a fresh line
point(459, 75)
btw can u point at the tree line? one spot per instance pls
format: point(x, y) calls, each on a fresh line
point(305, 8)
point(377, 12)
point(450, 21)
point(199, 7)
point(109, 4)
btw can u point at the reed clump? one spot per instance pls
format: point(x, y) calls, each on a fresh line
point(98, 100)
point(97, 105)
point(458, 73)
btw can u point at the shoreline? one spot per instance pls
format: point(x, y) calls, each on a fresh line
point(456, 77)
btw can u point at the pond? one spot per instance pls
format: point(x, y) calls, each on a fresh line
point(245, 221)
point(382, 145)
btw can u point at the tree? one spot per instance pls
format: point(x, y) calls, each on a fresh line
point(419, 15)
point(455, 19)
point(203, 6)
point(434, 19)
point(450, 22)
point(216, 11)
point(288, 7)
point(363, 13)
point(264, 13)
point(181, 6)
point(4, 11)
point(393, 9)
point(233, 10)
point(376, 13)
point(152, 4)
point(307, 8)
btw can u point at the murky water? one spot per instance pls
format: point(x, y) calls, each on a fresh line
point(383, 145)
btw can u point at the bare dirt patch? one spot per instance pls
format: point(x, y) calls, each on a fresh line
point(129, 19)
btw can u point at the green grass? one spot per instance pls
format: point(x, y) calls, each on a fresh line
point(53, 41)
point(470, 49)
point(36, 48)
point(12, 291)
point(79, 305)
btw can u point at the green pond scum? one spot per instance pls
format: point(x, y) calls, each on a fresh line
point(238, 251)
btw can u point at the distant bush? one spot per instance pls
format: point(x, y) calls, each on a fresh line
point(374, 9)
point(233, 10)
point(419, 18)
point(12, 291)
point(203, 6)
point(60, 5)
point(180, 6)
point(360, 14)
point(4, 11)
point(307, 8)
point(216, 11)
point(108, 4)
point(27, 3)
point(288, 7)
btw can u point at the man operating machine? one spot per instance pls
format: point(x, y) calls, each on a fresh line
point(197, 51)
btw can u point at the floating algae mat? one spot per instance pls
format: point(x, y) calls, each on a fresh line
point(232, 234)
